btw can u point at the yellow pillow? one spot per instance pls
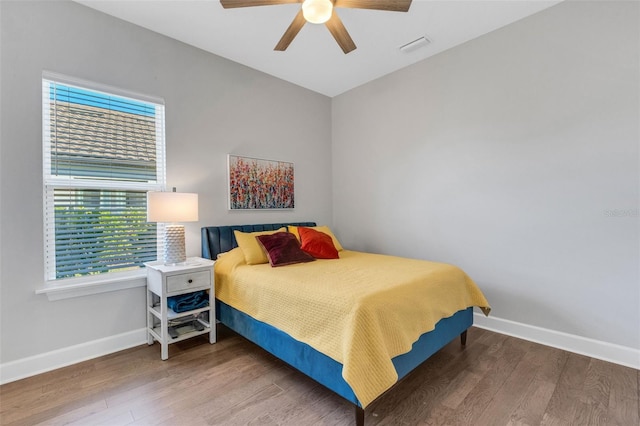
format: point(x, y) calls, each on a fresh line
point(253, 253)
point(323, 229)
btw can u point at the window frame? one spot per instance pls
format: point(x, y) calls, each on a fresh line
point(57, 288)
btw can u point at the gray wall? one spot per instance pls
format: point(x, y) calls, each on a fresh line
point(213, 107)
point(514, 156)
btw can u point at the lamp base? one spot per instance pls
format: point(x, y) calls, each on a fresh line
point(174, 252)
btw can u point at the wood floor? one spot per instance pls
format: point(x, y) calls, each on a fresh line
point(495, 380)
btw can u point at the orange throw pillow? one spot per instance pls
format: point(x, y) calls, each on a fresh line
point(317, 244)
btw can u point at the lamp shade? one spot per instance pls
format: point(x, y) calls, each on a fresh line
point(172, 207)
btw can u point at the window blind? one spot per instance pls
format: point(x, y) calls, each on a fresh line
point(102, 152)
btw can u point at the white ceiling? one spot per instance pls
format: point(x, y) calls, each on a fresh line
point(314, 60)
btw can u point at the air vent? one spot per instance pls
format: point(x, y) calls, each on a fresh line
point(415, 44)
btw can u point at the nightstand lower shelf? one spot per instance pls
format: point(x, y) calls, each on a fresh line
point(184, 333)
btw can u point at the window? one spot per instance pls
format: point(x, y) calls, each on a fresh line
point(103, 150)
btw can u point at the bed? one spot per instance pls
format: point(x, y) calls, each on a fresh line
point(300, 351)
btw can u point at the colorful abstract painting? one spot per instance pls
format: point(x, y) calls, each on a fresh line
point(260, 184)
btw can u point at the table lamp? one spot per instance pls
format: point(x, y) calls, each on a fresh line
point(172, 207)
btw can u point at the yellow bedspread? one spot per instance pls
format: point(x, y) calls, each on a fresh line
point(360, 310)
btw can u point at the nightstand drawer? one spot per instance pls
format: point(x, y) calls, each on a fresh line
point(186, 281)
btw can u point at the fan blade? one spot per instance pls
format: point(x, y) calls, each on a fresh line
point(339, 32)
point(390, 5)
point(297, 23)
point(229, 4)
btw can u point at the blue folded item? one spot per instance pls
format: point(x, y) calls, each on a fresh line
point(189, 301)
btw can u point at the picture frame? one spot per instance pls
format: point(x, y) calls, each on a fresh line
point(259, 184)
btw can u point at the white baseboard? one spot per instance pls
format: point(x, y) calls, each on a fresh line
point(19, 369)
point(610, 352)
point(16, 370)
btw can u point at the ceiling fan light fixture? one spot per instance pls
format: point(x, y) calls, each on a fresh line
point(317, 11)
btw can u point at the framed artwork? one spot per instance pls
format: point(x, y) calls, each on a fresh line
point(259, 184)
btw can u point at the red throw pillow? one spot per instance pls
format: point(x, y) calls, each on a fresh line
point(317, 244)
point(283, 248)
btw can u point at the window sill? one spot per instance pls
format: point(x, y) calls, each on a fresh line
point(78, 287)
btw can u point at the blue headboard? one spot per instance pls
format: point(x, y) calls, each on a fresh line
point(219, 239)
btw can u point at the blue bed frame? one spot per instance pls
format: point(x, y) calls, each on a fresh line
point(321, 368)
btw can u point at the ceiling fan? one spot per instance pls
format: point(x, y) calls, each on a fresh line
point(321, 12)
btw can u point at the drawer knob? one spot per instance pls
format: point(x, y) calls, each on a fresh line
point(190, 281)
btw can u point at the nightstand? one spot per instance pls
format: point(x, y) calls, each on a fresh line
point(163, 281)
